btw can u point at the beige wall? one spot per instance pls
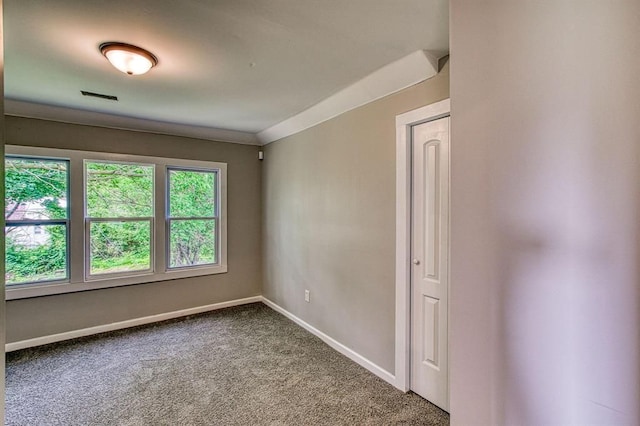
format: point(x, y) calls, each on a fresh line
point(545, 202)
point(329, 222)
point(29, 318)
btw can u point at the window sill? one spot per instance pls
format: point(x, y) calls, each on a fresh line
point(49, 289)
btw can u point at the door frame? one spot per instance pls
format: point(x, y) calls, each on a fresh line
point(404, 122)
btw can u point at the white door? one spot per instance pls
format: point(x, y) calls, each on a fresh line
point(429, 253)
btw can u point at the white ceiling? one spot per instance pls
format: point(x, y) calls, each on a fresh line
point(241, 65)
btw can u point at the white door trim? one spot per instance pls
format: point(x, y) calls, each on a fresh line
point(403, 232)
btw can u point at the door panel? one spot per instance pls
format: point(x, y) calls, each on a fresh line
point(429, 252)
point(430, 308)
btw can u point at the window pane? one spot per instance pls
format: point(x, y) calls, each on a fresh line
point(192, 242)
point(120, 247)
point(35, 189)
point(119, 190)
point(192, 193)
point(35, 253)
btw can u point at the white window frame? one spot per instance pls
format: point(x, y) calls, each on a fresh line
point(88, 220)
point(79, 279)
point(169, 218)
point(45, 222)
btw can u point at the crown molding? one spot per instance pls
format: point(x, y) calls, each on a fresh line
point(25, 109)
point(408, 71)
point(412, 69)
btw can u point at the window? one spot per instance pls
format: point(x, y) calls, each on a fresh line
point(36, 215)
point(78, 220)
point(191, 222)
point(119, 217)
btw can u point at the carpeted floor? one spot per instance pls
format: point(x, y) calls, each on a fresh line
point(246, 365)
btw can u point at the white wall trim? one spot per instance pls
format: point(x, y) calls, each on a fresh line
point(410, 70)
point(22, 344)
point(18, 108)
point(344, 350)
point(403, 233)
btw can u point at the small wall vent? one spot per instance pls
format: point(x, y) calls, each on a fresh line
point(99, 95)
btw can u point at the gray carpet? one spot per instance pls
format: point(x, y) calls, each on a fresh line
point(246, 365)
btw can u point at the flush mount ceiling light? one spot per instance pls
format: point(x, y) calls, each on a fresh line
point(128, 58)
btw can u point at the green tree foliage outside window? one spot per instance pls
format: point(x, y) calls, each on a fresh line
point(35, 198)
point(117, 190)
point(119, 205)
point(192, 217)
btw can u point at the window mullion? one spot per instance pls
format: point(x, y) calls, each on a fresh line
point(34, 222)
point(76, 218)
point(193, 218)
point(121, 219)
point(161, 243)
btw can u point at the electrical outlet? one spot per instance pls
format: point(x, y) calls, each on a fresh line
point(307, 296)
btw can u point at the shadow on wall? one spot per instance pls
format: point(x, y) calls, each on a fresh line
point(545, 212)
point(569, 316)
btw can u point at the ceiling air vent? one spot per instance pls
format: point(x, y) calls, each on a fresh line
point(99, 95)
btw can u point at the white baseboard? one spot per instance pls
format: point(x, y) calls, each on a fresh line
point(349, 353)
point(22, 344)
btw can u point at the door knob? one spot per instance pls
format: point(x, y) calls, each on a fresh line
point(415, 261)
